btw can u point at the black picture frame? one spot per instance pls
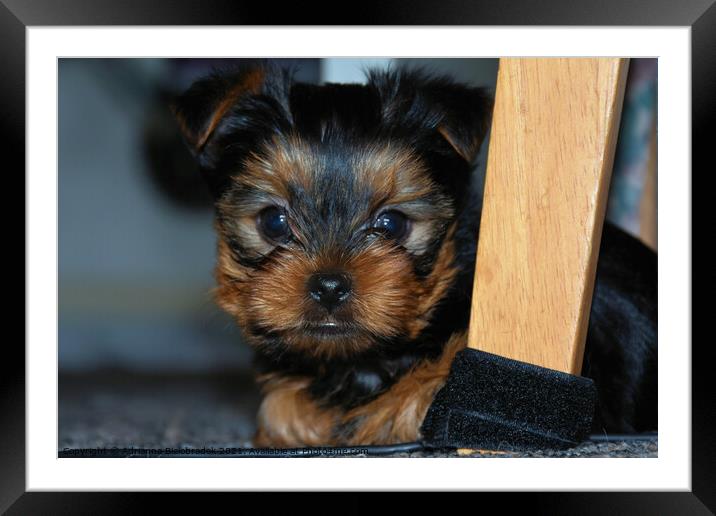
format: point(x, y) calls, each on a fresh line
point(17, 15)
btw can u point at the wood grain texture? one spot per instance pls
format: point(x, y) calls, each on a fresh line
point(550, 159)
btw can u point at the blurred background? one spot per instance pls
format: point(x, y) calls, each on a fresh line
point(137, 247)
point(136, 240)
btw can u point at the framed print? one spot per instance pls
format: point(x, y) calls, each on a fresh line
point(140, 280)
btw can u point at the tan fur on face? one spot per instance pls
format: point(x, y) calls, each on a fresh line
point(395, 176)
point(436, 285)
point(283, 161)
point(382, 305)
point(399, 181)
point(388, 300)
point(269, 173)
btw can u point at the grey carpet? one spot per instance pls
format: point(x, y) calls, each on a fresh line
point(131, 411)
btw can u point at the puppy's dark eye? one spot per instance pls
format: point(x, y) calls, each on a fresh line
point(273, 224)
point(392, 224)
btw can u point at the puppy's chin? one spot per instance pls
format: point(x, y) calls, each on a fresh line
point(327, 341)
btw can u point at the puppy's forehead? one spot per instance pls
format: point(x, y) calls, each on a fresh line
point(337, 159)
point(333, 179)
point(338, 108)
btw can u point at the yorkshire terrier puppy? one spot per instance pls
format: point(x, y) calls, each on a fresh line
point(347, 225)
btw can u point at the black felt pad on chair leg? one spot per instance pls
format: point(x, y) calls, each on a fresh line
point(493, 402)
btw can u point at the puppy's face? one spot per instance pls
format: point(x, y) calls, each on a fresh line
point(336, 204)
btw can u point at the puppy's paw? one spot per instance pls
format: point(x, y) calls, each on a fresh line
point(289, 418)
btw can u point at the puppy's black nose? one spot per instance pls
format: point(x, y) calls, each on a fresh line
point(329, 290)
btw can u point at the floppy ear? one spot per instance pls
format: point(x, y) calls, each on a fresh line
point(201, 109)
point(467, 114)
point(459, 114)
point(227, 115)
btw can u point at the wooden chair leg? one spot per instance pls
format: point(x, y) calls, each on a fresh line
point(550, 158)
